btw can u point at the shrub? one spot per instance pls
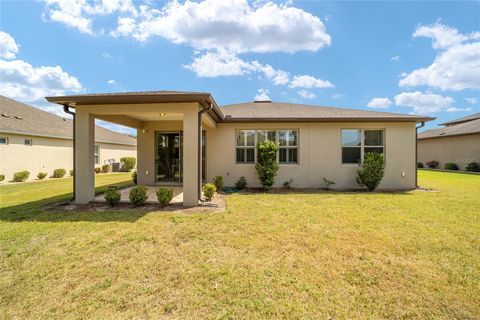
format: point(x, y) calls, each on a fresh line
point(473, 167)
point(327, 183)
point(138, 195)
point(41, 175)
point(373, 169)
point(288, 184)
point(266, 165)
point(72, 172)
point(112, 196)
point(2, 177)
point(21, 176)
point(134, 177)
point(419, 165)
point(106, 168)
point(98, 170)
point(451, 166)
point(218, 182)
point(59, 173)
point(432, 164)
point(209, 190)
point(241, 183)
point(164, 196)
point(128, 163)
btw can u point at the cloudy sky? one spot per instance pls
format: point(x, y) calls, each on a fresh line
point(419, 57)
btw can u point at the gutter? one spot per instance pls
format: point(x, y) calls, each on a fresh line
point(416, 152)
point(199, 156)
point(67, 110)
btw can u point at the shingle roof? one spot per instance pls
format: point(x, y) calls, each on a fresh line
point(469, 127)
point(463, 119)
point(17, 117)
point(278, 111)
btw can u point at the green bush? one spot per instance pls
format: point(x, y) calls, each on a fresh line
point(473, 167)
point(432, 164)
point(106, 168)
point(98, 170)
point(2, 177)
point(451, 166)
point(373, 169)
point(128, 163)
point(209, 190)
point(112, 196)
point(419, 165)
point(164, 196)
point(138, 195)
point(21, 176)
point(134, 177)
point(266, 165)
point(241, 183)
point(72, 172)
point(218, 182)
point(59, 173)
point(41, 175)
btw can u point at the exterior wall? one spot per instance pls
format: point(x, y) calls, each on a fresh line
point(457, 149)
point(319, 155)
point(47, 154)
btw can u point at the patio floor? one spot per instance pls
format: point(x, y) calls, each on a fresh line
point(151, 192)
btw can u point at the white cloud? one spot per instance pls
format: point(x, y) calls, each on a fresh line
point(454, 109)
point(395, 58)
point(8, 46)
point(457, 65)
point(111, 81)
point(424, 102)
point(308, 82)
point(379, 103)
point(337, 96)
point(306, 94)
point(106, 55)
point(471, 100)
point(262, 95)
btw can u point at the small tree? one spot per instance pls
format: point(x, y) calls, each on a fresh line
point(373, 169)
point(128, 163)
point(267, 166)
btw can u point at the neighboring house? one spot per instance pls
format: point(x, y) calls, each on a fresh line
point(38, 141)
point(457, 142)
point(184, 136)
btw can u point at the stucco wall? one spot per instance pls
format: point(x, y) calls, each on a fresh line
point(48, 154)
point(457, 149)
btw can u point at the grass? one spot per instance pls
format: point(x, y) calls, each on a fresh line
point(412, 255)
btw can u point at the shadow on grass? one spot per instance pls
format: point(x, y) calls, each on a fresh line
point(253, 191)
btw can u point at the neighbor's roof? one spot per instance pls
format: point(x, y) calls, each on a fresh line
point(19, 118)
point(463, 119)
point(464, 128)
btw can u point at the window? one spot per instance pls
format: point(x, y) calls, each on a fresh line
point(3, 140)
point(28, 142)
point(246, 140)
point(357, 142)
point(97, 154)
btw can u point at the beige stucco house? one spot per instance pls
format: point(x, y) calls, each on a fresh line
point(458, 141)
point(38, 141)
point(185, 137)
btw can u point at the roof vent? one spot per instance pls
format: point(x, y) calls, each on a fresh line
point(262, 101)
point(5, 115)
point(18, 117)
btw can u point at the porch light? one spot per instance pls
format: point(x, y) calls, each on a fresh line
point(163, 114)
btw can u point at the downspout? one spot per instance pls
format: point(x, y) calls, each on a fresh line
point(416, 152)
point(199, 177)
point(67, 110)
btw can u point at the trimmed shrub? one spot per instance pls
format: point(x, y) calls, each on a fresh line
point(59, 173)
point(2, 177)
point(209, 190)
point(134, 177)
point(288, 184)
point(451, 166)
point(21, 176)
point(420, 165)
point(106, 168)
point(112, 196)
point(72, 172)
point(164, 196)
point(138, 195)
point(432, 164)
point(98, 170)
point(128, 163)
point(473, 167)
point(218, 182)
point(373, 169)
point(41, 175)
point(327, 183)
point(241, 183)
point(266, 165)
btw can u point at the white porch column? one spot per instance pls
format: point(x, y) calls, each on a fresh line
point(84, 159)
point(190, 158)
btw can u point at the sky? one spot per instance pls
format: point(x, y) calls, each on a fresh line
point(414, 57)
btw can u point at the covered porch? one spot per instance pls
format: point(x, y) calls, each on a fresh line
point(172, 129)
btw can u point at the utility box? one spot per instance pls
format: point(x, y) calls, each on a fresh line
point(116, 167)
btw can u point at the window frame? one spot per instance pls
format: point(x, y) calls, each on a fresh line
point(30, 144)
point(362, 144)
point(6, 141)
point(96, 154)
point(245, 146)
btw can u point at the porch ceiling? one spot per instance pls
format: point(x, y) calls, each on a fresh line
point(158, 116)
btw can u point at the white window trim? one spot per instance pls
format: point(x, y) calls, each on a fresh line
point(362, 144)
point(95, 154)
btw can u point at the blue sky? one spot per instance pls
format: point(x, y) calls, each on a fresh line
point(410, 57)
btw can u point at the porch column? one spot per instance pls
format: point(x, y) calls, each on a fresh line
point(190, 158)
point(84, 159)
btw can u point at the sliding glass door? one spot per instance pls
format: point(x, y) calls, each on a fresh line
point(169, 157)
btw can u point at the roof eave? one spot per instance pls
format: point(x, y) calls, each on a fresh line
point(330, 119)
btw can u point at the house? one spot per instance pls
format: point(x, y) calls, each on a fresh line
point(185, 137)
point(39, 141)
point(457, 142)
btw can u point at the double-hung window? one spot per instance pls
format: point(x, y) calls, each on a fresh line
point(97, 154)
point(3, 140)
point(357, 142)
point(28, 142)
point(245, 146)
point(288, 146)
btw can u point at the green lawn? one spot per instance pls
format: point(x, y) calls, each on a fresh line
point(413, 255)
